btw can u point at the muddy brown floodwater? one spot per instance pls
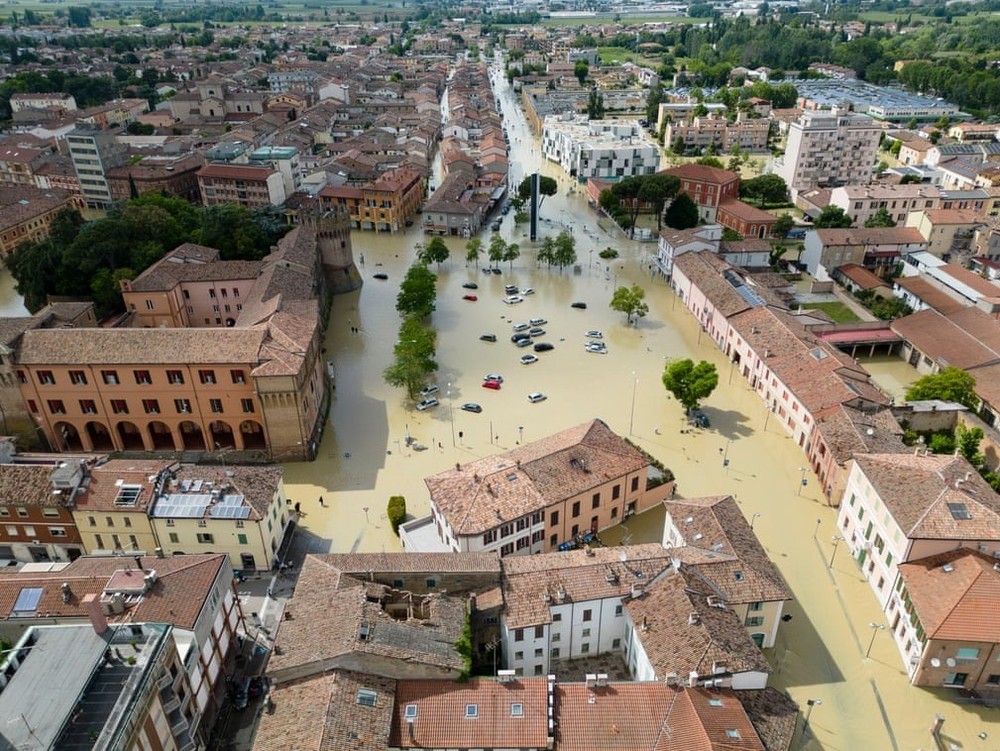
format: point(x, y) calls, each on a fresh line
point(364, 459)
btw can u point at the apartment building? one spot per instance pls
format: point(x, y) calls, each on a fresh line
point(120, 687)
point(21, 101)
point(386, 204)
point(249, 186)
point(26, 214)
point(94, 152)
point(191, 287)
point(707, 186)
point(285, 159)
point(674, 243)
point(18, 165)
point(948, 232)
point(878, 249)
point(718, 133)
point(598, 148)
point(903, 508)
point(710, 536)
point(537, 497)
point(175, 175)
point(826, 148)
point(679, 112)
point(113, 114)
point(567, 605)
point(193, 594)
point(862, 202)
point(36, 518)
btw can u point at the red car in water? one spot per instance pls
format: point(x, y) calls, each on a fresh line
point(491, 384)
point(470, 298)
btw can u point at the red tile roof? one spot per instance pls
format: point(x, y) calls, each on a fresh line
point(701, 173)
point(442, 719)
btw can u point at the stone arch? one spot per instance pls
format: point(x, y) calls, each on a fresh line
point(192, 437)
point(130, 436)
point(161, 436)
point(252, 433)
point(68, 436)
point(221, 435)
point(100, 438)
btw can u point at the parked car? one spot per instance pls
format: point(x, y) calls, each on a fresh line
point(470, 285)
point(579, 305)
point(528, 359)
point(381, 275)
point(698, 418)
point(487, 270)
point(496, 225)
point(513, 300)
point(493, 377)
point(472, 407)
point(536, 396)
point(427, 403)
point(520, 336)
point(527, 291)
point(495, 385)
point(536, 331)
point(595, 348)
point(520, 327)
point(543, 347)
point(538, 322)
point(510, 289)
point(470, 298)
point(523, 342)
point(594, 334)
point(428, 390)
point(498, 272)
point(488, 338)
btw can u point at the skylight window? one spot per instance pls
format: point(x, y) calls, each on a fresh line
point(738, 575)
point(517, 710)
point(410, 712)
point(27, 601)
point(367, 698)
point(959, 511)
point(715, 702)
point(733, 733)
point(471, 711)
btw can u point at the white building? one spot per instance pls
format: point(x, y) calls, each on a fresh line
point(599, 148)
point(829, 148)
point(673, 243)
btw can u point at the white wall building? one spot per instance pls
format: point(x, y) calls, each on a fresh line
point(599, 148)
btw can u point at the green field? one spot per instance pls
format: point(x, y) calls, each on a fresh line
point(608, 17)
point(837, 311)
point(615, 55)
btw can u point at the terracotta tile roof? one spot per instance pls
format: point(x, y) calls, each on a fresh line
point(916, 490)
point(701, 173)
point(442, 722)
point(650, 716)
point(361, 563)
point(28, 485)
point(322, 713)
point(703, 274)
point(873, 236)
point(987, 383)
point(355, 627)
point(103, 488)
point(845, 430)
point(934, 297)
point(236, 172)
point(960, 604)
point(684, 633)
point(257, 484)
point(164, 276)
point(943, 340)
point(774, 716)
point(527, 579)
point(745, 211)
point(19, 203)
point(531, 477)
point(716, 526)
point(178, 596)
point(978, 324)
point(861, 276)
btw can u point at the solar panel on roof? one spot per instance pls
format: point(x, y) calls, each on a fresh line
point(27, 600)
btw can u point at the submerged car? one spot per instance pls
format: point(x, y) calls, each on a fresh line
point(528, 359)
point(472, 407)
point(493, 377)
point(381, 275)
point(543, 347)
point(488, 338)
point(427, 403)
point(470, 298)
point(538, 322)
point(536, 396)
point(513, 300)
point(495, 385)
point(470, 285)
point(579, 305)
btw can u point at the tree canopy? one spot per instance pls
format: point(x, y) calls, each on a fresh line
point(413, 356)
point(87, 259)
point(547, 186)
point(880, 218)
point(764, 189)
point(435, 251)
point(950, 384)
point(630, 301)
point(417, 292)
point(832, 216)
point(682, 213)
point(690, 383)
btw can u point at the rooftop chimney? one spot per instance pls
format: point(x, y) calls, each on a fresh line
point(92, 604)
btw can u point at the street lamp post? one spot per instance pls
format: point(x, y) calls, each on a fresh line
point(837, 539)
point(875, 627)
point(725, 454)
point(520, 434)
point(631, 417)
point(811, 703)
point(802, 478)
point(753, 519)
point(451, 413)
point(816, 528)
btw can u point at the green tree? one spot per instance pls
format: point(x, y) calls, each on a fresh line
point(710, 161)
point(832, 216)
point(547, 253)
point(630, 301)
point(565, 250)
point(436, 251)
point(968, 441)
point(511, 254)
point(497, 251)
point(690, 383)
point(581, 70)
point(678, 147)
point(395, 512)
point(653, 100)
point(765, 189)
point(950, 384)
point(547, 186)
point(880, 218)
point(595, 105)
point(417, 292)
point(473, 249)
point(783, 225)
point(682, 213)
point(413, 357)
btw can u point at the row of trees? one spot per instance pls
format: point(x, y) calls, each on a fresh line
point(88, 259)
point(415, 350)
point(626, 198)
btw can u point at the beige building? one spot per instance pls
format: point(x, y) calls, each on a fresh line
point(702, 132)
point(829, 148)
point(236, 510)
point(543, 495)
point(948, 232)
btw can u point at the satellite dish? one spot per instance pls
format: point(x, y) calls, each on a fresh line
point(870, 431)
point(950, 662)
point(623, 556)
point(935, 662)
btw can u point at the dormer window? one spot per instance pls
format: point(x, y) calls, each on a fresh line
point(471, 711)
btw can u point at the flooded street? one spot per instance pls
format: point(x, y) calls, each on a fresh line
point(894, 376)
point(364, 459)
point(11, 303)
